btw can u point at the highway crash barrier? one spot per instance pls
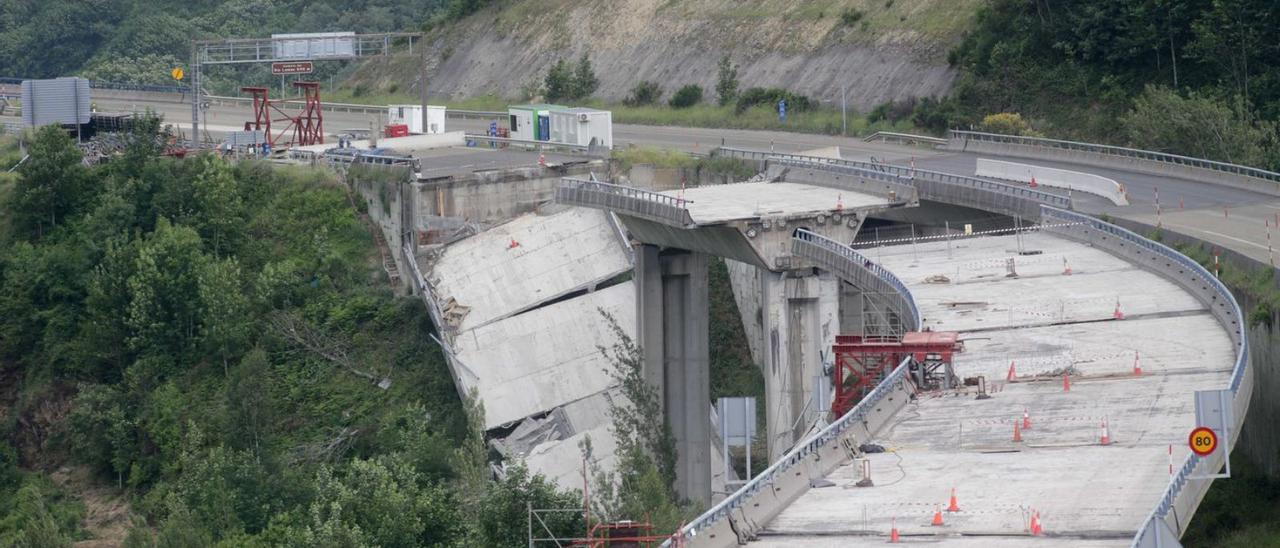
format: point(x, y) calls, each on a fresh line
point(1052, 177)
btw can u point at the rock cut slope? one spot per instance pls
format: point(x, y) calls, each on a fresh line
point(878, 49)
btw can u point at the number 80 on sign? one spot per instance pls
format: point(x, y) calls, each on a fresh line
point(1203, 441)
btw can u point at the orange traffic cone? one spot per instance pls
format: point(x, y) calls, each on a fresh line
point(1036, 528)
point(514, 244)
point(1106, 433)
point(1066, 268)
point(1017, 432)
point(1117, 314)
point(893, 533)
point(542, 160)
point(953, 507)
point(1066, 382)
point(1137, 366)
point(937, 516)
point(1033, 183)
point(1026, 419)
point(1013, 373)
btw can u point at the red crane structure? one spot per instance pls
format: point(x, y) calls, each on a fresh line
point(862, 362)
point(305, 128)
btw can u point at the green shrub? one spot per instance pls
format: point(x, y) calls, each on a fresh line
point(644, 93)
point(770, 97)
point(850, 17)
point(687, 96)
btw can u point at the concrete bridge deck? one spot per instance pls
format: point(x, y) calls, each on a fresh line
point(744, 201)
point(1087, 494)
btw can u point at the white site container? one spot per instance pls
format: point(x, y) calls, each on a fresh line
point(411, 115)
point(583, 126)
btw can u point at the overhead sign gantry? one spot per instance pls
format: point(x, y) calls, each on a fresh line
point(297, 49)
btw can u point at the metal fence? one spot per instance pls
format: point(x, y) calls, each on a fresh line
point(632, 201)
point(1224, 307)
point(763, 483)
point(1114, 151)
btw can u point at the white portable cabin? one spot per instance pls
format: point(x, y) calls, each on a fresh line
point(411, 115)
point(531, 122)
point(582, 126)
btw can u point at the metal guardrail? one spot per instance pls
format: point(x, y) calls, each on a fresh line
point(1122, 152)
point(860, 271)
point(540, 145)
point(908, 174)
point(905, 138)
point(763, 482)
point(632, 201)
point(473, 114)
point(1013, 200)
point(1224, 307)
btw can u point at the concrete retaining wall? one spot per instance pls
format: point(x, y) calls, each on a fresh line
point(495, 196)
point(1057, 178)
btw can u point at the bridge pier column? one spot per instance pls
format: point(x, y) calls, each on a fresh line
point(673, 307)
point(800, 314)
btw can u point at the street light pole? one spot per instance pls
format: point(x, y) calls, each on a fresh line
point(844, 119)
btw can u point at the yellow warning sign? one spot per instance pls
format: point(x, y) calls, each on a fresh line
point(177, 73)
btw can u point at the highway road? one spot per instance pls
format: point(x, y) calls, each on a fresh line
point(1193, 207)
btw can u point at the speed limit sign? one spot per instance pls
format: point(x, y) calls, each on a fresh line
point(1203, 441)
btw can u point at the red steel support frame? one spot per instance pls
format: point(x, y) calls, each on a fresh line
point(860, 363)
point(307, 126)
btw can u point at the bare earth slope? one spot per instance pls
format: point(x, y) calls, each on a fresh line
point(878, 49)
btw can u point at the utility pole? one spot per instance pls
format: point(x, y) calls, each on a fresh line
point(195, 93)
point(422, 84)
point(844, 119)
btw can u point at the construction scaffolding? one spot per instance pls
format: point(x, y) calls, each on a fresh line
point(861, 362)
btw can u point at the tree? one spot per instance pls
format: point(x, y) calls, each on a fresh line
point(51, 184)
point(249, 405)
point(727, 83)
point(218, 213)
point(380, 503)
point(1202, 127)
point(645, 446)
point(224, 322)
point(504, 509)
point(584, 79)
point(566, 81)
point(559, 83)
point(163, 317)
point(687, 96)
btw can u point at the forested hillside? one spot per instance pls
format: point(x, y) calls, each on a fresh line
point(195, 353)
point(139, 41)
point(1196, 77)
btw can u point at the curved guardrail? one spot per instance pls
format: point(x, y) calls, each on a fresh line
point(627, 200)
point(960, 140)
point(1013, 200)
point(908, 138)
point(857, 269)
point(779, 479)
point(1184, 491)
